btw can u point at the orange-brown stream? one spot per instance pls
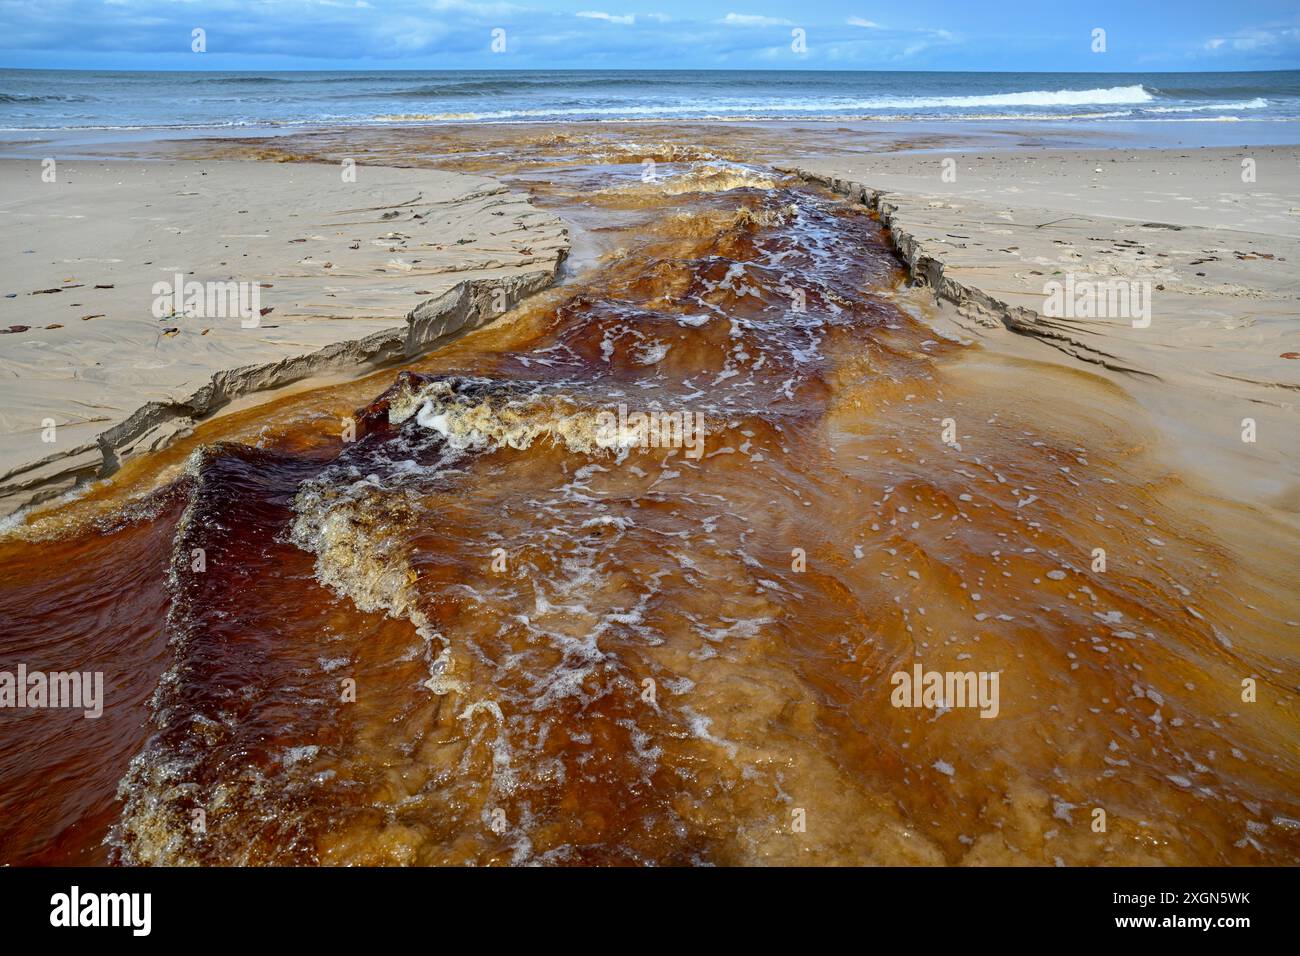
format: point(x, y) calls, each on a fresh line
point(478, 634)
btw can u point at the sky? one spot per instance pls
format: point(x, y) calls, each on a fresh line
point(1013, 35)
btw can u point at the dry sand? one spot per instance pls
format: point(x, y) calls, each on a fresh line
point(353, 273)
point(1221, 257)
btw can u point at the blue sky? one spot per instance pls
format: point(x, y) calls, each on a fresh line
point(1045, 35)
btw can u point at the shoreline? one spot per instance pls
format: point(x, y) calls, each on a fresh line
point(1009, 133)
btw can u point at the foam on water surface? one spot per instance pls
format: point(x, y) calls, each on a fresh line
point(482, 634)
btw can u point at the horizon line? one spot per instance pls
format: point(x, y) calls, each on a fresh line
point(410, 69)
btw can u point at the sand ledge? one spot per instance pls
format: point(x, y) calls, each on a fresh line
point(464, 248)
point(1225, 313)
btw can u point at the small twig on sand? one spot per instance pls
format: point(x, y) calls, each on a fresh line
point(1055, 221)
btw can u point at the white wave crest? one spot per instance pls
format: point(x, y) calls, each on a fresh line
point(1106, 95)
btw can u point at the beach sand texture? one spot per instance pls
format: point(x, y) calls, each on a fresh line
point(1218, 256)
point(350, 274)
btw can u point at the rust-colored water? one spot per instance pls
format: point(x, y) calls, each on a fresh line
point(476, 636)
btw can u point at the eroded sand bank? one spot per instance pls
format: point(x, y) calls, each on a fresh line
point(1210, 236)
point(351, 269)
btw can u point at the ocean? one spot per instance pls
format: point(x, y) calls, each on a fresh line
point(33, 100)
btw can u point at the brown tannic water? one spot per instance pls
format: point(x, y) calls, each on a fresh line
point(479, 634)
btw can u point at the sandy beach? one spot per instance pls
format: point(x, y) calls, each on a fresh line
point(351, 269)
point(1208, 253)
point(1215, 254)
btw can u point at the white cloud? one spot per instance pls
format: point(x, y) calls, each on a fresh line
point(861, 22)
point(626, 20)
point(754, 20)
point(1265, 41)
